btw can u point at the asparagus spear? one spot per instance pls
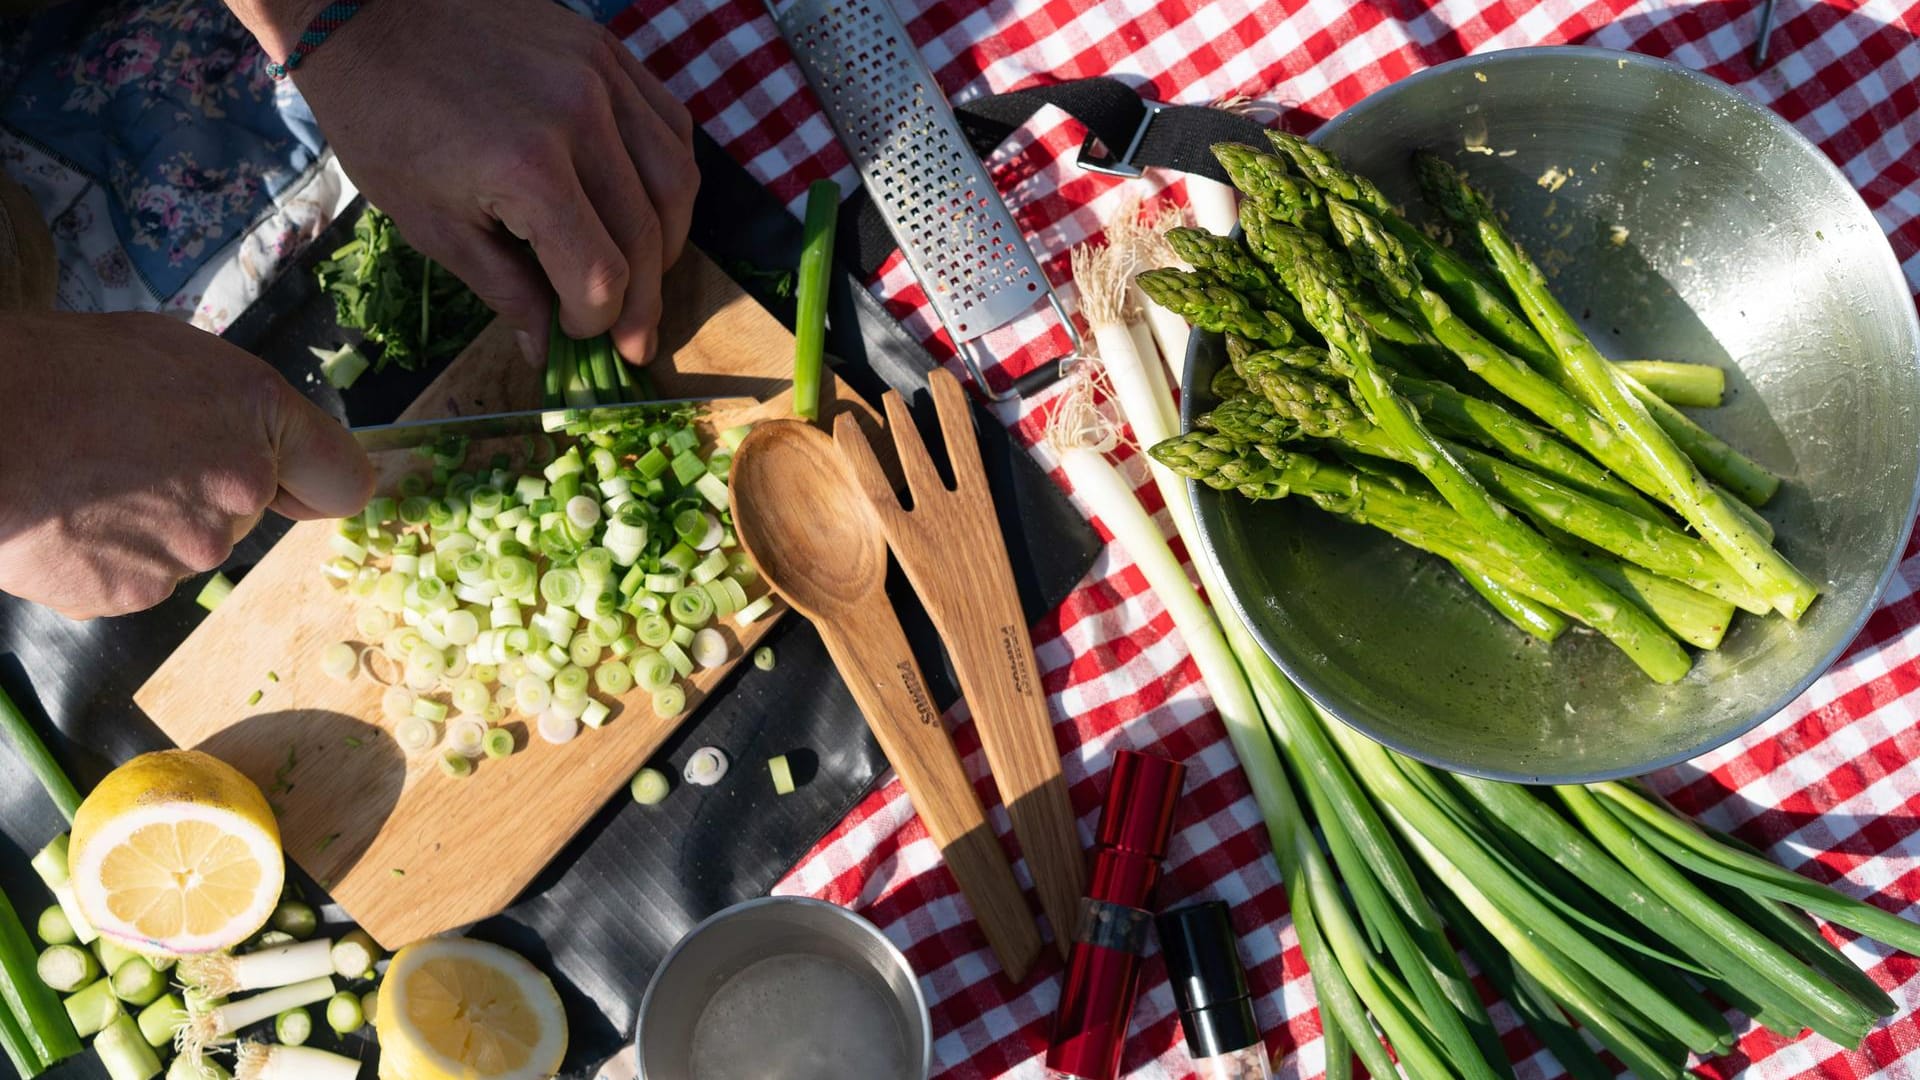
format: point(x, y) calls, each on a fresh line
point(1263, 179)
point(1298, 404)
point(1214, 307)
point(1468, 290)
point(1701, 386)
point(1705, 508)
point(1421, 519)
point(1292, 252)
point(1385, 324)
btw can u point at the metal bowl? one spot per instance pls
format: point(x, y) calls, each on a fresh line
point(1742, 247)
point(784, 987)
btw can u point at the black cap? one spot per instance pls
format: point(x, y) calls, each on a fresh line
point(1209, 985)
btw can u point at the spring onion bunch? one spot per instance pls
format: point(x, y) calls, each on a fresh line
point(547, 593)
point(1608, 920)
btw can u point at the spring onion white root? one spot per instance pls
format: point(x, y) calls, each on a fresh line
point(265, 1061)
point(1216, 206)
point(219, 975)
point(1101, 275)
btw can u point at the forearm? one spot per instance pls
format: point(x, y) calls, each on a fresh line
point(277, 24)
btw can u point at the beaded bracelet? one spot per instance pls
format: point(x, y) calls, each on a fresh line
point(331, 18)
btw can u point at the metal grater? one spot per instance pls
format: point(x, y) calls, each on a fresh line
point(953, 228)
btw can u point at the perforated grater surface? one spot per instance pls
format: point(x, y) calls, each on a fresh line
point(954, 231)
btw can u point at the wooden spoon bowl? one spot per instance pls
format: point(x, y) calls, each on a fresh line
point(812, 534)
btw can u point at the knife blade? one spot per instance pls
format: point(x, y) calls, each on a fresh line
point(409, 434)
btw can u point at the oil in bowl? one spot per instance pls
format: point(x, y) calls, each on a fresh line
point(784, 988)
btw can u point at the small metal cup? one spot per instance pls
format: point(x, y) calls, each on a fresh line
point(707, 962)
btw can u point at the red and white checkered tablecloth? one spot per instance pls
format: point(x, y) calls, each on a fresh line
point(1831, 786)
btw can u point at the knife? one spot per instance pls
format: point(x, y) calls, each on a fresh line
point(410, 434)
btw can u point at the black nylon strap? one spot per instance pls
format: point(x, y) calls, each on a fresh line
point(1179, 138)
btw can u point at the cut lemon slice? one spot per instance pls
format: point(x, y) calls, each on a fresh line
point(455, 1009)
point(176, 853)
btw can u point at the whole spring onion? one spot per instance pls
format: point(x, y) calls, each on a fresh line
point(219, 975)
point(810, 296)
point(265, 1061)
point(208, 1027)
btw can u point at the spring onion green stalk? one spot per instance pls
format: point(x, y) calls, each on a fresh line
point(163, 1020)
point(26, 742)
point(293, 1027)
point(344, 1014)
point(216, 589)
point(205, 1028)
point(265, 1061)
point(649, 786)
point(92, 1008)
point(222, 975)
point(354, 955)
point(67, 968)
point(137, 983)
point(124, 1051)
point(32, 1004)
point(295, 919)
point(51, 864)
point(810, 296)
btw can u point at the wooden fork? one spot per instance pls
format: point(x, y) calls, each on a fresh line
point(952, 550)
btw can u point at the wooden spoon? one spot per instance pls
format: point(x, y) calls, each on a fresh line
point(815, 538)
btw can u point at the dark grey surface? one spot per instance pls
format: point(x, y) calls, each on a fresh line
point(1744, 248)
point(612, 903)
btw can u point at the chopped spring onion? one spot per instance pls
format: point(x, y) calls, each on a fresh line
point(371, 623)
point(754, 611)
point(353, 956)
point(677, 656)
point(649, 786)
point(782, 774)
point(293, 1027)
point(763, 658)
point(26, 742)
point(710, 648)
point(467, 737)
point(338, 660)
point(705, 767)
point(295, 919)
point(265, 1061)
point(430, 710)
point(557, 728)
point(651, 671)
point(570, 682)
point(137, 983)
point(55, 928)
point(456, 765)
point(92, 1008)
point(596, 713)
point(470, 696)
point(416, 734)
point(161, 1021)
point(214, 591)
point(67, 968)
point(613, 679)
point(185, 1068)
point(344, 1014)
point(653, 630)
point(669, 701)
point(691, 608)
point(532, 695)
point(51, 864)
point(124, 1051)
point(499, 743)
point(396, 703)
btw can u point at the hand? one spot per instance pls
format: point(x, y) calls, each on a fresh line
point(140, 450)
point(488, 129)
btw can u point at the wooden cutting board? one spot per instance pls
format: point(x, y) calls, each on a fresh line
point(406, 850)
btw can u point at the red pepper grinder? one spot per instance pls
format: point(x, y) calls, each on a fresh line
point(1104, 969)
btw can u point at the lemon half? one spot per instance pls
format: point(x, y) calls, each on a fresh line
point(176, 853)
point(457, 1009)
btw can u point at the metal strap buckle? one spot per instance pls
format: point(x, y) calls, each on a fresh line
point(1092, 160)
